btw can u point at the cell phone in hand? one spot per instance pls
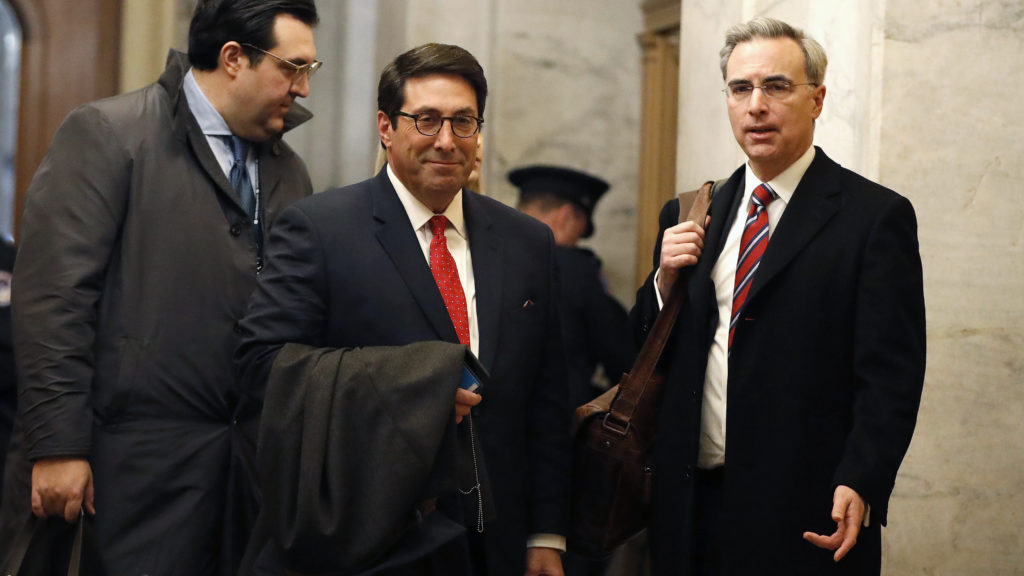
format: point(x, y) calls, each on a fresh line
point(474, 375)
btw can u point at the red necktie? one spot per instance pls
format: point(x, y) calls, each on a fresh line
point(752, 247)
point(442, 266)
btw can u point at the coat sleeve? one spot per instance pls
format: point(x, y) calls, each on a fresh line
point(549, 414)
point(646, 309)
point(289, 304)
point(73, 216)
point(889, 358)
point(607, 328)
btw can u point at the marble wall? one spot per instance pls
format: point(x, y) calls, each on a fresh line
point(563, 79)
point(920, 98)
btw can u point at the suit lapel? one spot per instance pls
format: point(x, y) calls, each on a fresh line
point(396, 237)
point(815, 201)
point(723, 212)
point(188, 130)
point(485, 249)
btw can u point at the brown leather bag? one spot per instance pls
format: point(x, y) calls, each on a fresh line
point(614, 433)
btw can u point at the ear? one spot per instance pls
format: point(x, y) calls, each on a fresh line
point(384, 128)
point(819, 100)
point(232, 58)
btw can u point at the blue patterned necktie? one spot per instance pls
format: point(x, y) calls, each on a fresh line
point(240, 176)
point(752, 247)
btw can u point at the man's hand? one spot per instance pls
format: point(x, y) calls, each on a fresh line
point(848, 512)
point(543, 562)
point(681, 245)
point(464, 400)
point(60, 486)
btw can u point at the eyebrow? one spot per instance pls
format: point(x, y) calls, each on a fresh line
point(772, 78)
point(460, 112)
point(300, 61)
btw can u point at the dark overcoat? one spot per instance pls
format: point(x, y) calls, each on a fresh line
point(825, 377)
point(595, 326)
point(136, 261)
point(344, 269)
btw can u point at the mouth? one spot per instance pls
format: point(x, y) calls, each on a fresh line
point(444, 163)
point(760, 132)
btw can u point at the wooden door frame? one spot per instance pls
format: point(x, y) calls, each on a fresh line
point(66, 60)
point(658, 124)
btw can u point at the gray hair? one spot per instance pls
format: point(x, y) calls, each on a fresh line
point(762, 27)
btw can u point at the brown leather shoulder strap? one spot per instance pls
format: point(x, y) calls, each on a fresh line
point(694, 205)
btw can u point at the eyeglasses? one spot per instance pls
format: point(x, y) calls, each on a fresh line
point(429, 123)
point(297, 70)
point(774, 89)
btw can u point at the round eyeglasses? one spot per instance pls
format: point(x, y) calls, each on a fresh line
point(430, 123)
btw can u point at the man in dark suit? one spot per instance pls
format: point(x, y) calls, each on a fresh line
point(805, 317)
point(140, 244)
point(361, 266)
point(595, 327)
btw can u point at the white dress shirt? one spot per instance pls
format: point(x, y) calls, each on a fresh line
point(713, 409)
point(216, 130)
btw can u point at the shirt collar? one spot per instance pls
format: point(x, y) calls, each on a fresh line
point(210, 121)
point(418, 212)
point(785, 183)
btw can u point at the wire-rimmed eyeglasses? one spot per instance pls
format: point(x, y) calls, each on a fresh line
point(430, 123)
point(775, 89)
point(297, 70)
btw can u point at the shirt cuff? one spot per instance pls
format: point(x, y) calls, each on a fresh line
point(657, 293)
point(555, 541)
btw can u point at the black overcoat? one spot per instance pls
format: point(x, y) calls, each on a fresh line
point(825, 377)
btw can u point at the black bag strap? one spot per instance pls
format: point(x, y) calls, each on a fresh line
point(693, 206)
point(31, 530)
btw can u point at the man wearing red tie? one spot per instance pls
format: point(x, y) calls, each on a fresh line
point(411, 256)
point(799, 356)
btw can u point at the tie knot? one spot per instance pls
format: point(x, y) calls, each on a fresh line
point(763, 195)
point(438, 224)
point(239, 149)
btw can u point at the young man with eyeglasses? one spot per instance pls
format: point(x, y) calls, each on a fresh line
point(798, 359)
point(141, 241)
point(411, 256)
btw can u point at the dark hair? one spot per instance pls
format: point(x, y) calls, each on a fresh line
point(427, 60)
point(217, 22)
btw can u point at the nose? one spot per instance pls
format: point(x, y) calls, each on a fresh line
point(300, 86)
point(445, 139)
point(758, 101)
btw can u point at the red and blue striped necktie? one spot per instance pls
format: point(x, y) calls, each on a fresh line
point(752, 247)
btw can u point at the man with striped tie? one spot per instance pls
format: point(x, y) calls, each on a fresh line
point(805, 318)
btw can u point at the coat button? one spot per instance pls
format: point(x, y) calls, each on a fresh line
point(235, 230)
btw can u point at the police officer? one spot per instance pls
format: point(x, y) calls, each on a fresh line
point(595, 325)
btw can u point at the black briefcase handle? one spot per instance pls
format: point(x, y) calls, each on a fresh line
point(33, 528)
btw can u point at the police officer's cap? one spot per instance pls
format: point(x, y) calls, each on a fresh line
point(577, 187)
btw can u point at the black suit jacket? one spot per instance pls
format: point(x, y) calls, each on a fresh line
point(825, 376)
point(595, 327)
point(344, 269)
